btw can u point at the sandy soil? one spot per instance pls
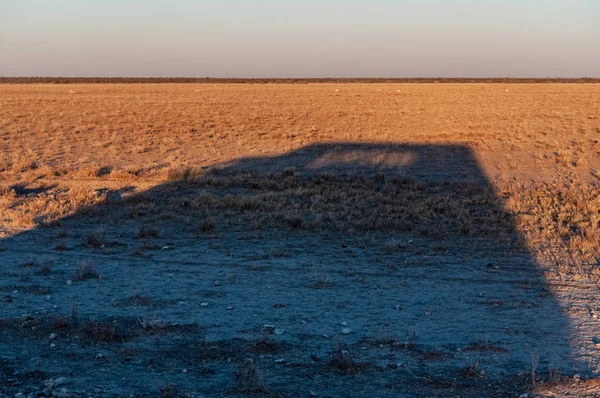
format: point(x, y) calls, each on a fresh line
point(310, 240)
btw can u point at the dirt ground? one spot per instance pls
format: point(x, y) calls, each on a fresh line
point(328, 240)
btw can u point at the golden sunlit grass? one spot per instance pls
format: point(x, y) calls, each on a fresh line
point(64, 147)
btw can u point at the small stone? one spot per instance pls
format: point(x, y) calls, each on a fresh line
point(346, 331)
point(280, 360)
point(217, 283)
point(69, 282)
point(52, 345)
point(398, 307)
point(52, 336)
point(343, 323)
point(184, 371)
point(312, 393)
point(203, 304)
point(270, 329)
point(61, 381)
point(229, 307)
point(279, 332)
point(427, 312)
point(47, 298)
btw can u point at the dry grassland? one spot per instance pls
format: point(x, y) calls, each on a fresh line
point(475, 194)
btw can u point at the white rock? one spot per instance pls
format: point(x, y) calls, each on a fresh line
point(280, 360)
point(61, 381)
point(279, 332)
point(69, 282)
point(343, 323)
point(203, 304)
point(346, 331)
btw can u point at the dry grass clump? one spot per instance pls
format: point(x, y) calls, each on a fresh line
point(101, 332)
point(208, 225)
point(147, 233)
point(264, 345)
point(85, 270)
point(250, 379)
point(343, 362)
point(153, 323)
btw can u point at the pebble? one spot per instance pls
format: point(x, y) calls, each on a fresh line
point(279, 332)
point(230, 307)
point(280, 360)
point(69, 282)
point(346, 331)
point(217, 283)
point(61, 381)
point(268, 329)
point(203, 304)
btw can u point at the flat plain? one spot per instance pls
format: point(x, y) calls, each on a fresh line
point(334, 240)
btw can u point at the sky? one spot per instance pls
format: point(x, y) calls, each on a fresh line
point(300, 38)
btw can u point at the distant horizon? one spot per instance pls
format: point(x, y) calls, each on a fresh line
point(303, 78)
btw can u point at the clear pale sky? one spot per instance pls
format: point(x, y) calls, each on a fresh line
point(294, 38)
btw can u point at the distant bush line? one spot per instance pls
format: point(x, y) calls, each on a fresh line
point(210, 80)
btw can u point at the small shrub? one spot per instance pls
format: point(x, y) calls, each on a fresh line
point(94, 240)
point(85, 270)
point(264, 345)
point(208, 225)
point(250, 379)
point(147, 233)
point(100, 332)
point(341, 361)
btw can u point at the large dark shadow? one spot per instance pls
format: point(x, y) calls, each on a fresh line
point(403, 254)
